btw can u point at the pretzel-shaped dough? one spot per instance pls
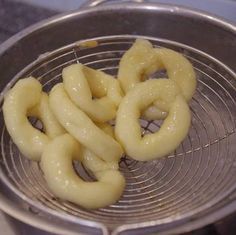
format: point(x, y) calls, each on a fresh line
point(142, 59)
point(173, 130)
point(18, 106)
point(137, 64)
point(83, 83)
point(81, 127)
point(61, 178)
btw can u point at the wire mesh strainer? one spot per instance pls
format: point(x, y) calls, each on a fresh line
point(197, 179)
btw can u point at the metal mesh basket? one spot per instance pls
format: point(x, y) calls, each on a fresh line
point(197, 179)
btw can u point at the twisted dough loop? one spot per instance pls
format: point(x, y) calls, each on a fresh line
point(18, 106)
point(173, 130)
point(83, 84)
point(142, 59)
point(137, 64)
point(57, 166)
point(80, 126)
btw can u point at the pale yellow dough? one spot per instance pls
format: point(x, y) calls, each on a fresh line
point(96, 93)
point(92, 161)
point(137, 64)
point(80, 126)
point(61, 178)
point(179, 69)
point(154, 113)
point(87, 44)
point(142, 59)
point(27, 99)
point(84, 104)
point(42, 111)
point(173, 130)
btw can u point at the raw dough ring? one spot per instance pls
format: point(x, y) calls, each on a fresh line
point(137, 64)
point(173, 130)
point(142, 59)
point(82, 84)
point(61, 178)
point(81, 127)
point(27, 99)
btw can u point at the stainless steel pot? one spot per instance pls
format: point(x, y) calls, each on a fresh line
point(192, 187)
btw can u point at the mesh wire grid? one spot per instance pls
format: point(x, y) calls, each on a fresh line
point(198, 175)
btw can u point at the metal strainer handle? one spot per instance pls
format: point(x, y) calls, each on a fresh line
point(94, 3)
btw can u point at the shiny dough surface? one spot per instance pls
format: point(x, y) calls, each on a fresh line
point(51, 127)
point(82, 105)
point(94, 163)
point(81, 127)
point(179, 70)
point(142, 59)
point(61, 178)
point(23, 100)
point(83, 84)
point(137, 63)
point(171, 133)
